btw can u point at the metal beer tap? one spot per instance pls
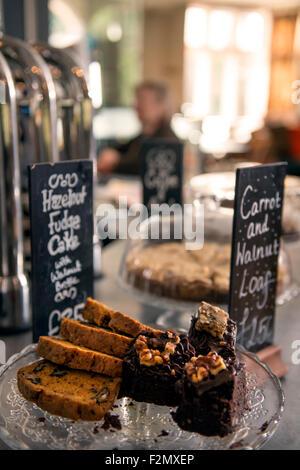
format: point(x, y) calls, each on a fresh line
point(74, 114)
point(74, 106)
point(14, 286)
point(36, 98)
point(47, 117)
point(28, 135)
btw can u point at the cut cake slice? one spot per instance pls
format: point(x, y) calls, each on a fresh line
point(68, 393)
point(94, 337)
point(98, 313)
point(213, 386)
point(65, 353)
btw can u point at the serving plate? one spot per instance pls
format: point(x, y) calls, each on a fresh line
point(143, 426)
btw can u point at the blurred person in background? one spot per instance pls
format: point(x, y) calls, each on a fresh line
point(154, 107)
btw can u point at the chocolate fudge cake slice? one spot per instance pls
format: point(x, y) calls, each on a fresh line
point(213, 386)
point(153, 365)
point(213, 396)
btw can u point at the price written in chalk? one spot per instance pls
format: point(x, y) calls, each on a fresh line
point(255, 251)
point(61, 241)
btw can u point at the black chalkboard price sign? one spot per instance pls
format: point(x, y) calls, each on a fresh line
point(61, 218)
point(161, 164)
point(255, 250)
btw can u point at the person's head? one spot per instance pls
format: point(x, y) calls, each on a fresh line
point(153, 103)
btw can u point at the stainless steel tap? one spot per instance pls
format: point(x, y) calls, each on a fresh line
point(34, 127)
point(36, 99)
point(28, 134)
point(74, 114)
point(47, 118)
point(14, 286)
point(74, 106)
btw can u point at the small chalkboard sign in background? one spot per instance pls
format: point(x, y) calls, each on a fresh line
point(255, 250)
point(61, 218)
point(161, 167)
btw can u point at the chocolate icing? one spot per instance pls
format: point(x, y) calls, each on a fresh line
point(213, 406)
point(155, 384)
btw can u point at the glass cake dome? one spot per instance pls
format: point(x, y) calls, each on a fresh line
point(216, 192)
point(174, 272)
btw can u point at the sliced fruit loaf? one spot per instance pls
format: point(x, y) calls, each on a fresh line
point(65, 353)
point(68, 393)
point(98, 313)
point(94, 337)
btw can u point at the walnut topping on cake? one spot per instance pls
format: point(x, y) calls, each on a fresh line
point(199, 368)
point(156, 351)
point(212, 319)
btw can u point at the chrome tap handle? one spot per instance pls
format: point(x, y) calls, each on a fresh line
point(42, 97)
point(14, 288)
point(75, 105)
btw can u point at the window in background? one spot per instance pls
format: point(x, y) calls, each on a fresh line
point(105, 33)
point(226, 78)
point(107, 37)
point(284, 68)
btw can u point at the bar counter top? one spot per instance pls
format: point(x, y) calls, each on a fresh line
point(287, 330)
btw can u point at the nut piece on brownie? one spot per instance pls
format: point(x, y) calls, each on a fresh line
point(212, 329)
point(153, 365)
point(201, 367)
point(212, 319)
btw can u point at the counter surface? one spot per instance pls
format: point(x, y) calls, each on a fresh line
point(287, 330)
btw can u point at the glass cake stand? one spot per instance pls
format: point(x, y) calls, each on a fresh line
point(143, 426)
point(176, 312)
point(217, 190)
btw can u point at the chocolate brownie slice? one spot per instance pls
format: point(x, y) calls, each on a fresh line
point(153, 365)
point(213, 386)
point(213, 395)
point(212, 329)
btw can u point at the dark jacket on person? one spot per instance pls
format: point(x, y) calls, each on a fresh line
point(130, 152)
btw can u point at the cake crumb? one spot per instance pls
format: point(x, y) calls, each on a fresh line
point(111, 421)
point(163, 433)
point(237, 445)
point(264, 426)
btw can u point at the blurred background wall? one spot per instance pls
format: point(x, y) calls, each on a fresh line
point(232, 66)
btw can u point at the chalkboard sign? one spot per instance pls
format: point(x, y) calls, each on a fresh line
point(161, 163)
point(61, 219)
point(255, 249)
